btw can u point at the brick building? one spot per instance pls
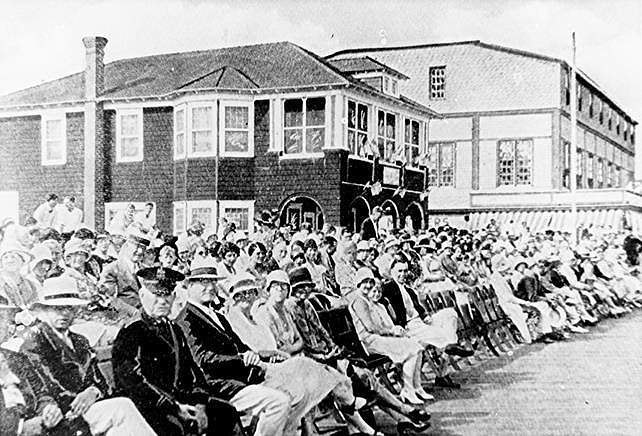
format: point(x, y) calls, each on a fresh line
point(502, 147)
point(218, 133)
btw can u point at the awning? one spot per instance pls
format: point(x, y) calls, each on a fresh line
point(558, 220)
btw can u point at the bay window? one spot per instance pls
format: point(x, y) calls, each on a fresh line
point(201, 126)
point(236, 130)
point(358, 129)
point(387, 135)
point(304, 125)
point(412, 135)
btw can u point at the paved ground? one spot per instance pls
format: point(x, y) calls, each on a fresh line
point(590, 385)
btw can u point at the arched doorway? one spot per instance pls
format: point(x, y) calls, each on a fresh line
point(300, 209)
point(414, 216)
point(358, 211)
point(390, 217)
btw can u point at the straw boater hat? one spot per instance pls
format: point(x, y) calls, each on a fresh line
point(60, 291)
point(203, 268)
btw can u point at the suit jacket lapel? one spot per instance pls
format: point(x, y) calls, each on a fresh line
point(205, 317)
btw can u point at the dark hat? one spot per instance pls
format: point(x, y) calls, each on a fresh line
point(423, 243)
point(160, 280)
point(265, 218)
point(300, 276)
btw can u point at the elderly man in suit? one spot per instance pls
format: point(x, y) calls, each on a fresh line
point(438, 330)
point(72, 363)
point(118, 278)
point(229, 365)
point(153, 365)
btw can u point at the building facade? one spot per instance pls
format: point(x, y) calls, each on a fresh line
point(218, 133)
point(502, 146)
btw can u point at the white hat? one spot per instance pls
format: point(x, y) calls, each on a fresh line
point(40, 252)
point(242, 282)
point(278, 276)
point(74, 246)
point(61, 291)
point(13, 246)
point(362, 275)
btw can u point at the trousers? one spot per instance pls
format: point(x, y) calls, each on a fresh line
point(117, 417)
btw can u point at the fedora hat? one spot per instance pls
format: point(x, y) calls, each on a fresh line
point(60, 291)
point(203, 268)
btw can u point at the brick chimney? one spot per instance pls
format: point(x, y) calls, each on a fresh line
point(94, 154)
point(95, 67)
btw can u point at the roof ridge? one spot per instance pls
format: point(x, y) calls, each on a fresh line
point(189, 82)
point(242, 73)
point(400, 47)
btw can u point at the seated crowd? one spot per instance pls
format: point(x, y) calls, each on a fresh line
point(222, 334)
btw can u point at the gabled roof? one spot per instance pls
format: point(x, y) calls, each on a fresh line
point(252, 68)
point(365, 64)
point(262, 66)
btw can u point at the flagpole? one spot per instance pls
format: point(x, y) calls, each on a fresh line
point(573, 150)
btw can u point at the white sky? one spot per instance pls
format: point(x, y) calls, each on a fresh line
point(41, 40)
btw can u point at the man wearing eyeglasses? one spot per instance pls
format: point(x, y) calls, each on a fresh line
point(230, 367)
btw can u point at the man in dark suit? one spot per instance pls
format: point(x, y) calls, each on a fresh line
point(369, 229)
point(27, 399)
point(229, 365)
point(72, 363)
point(153, 365)
point(438, 329)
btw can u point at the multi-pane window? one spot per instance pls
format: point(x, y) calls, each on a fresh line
point(611, 175)
point(440, 164)
point(514, 162)
point(626, 130)
point(599, 174)
point(590, 171)
point(358, 129)
point(236, 129)
point(386, 135)
point(54, 138)
point(239, 212)
point(190, 212)
point(129, 135)
point(180, 121)
point(202, 130)
point(304, 125)
point(600, 110)
point(590, 104)
point(617, 123)
point(579, 97)
point(412, 135)
point(581, 161)
point(609, 118)
point(437, 82)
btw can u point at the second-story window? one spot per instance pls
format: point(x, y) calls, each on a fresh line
point(180, 116)
point(590, 105)
point(304, 125)
point(201, 123)
point(514, 162)
point(236, 130)
point(54, 139)
point(387, 135)
point(600, 110)
point(609, 117)
point(590, 170)
point(437, 82)
point(412, 136)
point(578, 90)
point(567, 88)
point(440, 164)
point(129, 135)
point(358, 129)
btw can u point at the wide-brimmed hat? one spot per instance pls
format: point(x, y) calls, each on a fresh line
point(74, 246)
point(500, 263)
point(299, 277)
point(13, 246)
point(40, 252)
point(60, 291)
point(278, 276)
point(390, 242)
point(362, 275)
point(240, 236)
point(423, 243)
point(520, 260)
point(203, 268)
point(159, 280)
point(242, 282)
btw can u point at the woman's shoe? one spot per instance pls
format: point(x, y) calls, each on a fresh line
point(408, 428)
point(410, 397)
point(418, 416)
